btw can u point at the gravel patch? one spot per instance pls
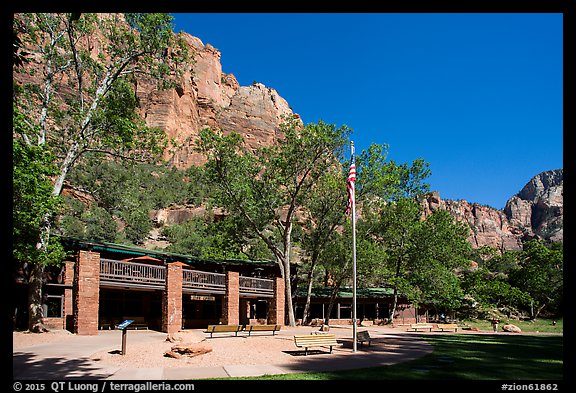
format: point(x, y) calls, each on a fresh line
point(226, 350)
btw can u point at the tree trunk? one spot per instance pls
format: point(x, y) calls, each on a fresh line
point(35, 282)
point(394, 305)
point(306, 316)
point(397, 276)
point(35, 314)
point(539, 310)
point(331, 303)
point(287, 275)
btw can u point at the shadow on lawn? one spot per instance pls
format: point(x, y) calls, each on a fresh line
point(477, 357)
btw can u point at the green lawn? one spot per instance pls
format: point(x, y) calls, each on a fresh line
point(539, 325)
point(465, 357)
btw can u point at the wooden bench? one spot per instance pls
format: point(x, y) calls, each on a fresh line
point(263, 328)
point(447, 326)
point(363, 336)
point(139, 323)
point(416, 326)
point(224, 329)
point(315, 340)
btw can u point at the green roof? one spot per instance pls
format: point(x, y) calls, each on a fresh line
point(347, 292)
point(163, 255)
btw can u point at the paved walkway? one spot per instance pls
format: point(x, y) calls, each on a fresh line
point(56, 361)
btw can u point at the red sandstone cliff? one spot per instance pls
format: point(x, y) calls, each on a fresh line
point(207, 97)
point(535, 212)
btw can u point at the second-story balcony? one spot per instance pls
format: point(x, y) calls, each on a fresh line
point(140, 275)
point(256, 286)
point(204, 282)
point(132, 274)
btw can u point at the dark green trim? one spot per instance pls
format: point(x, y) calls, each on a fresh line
point(105, 247)
point(347, 292)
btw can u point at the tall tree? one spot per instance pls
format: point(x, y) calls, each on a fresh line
point(324, 204)
point(541, 274)
point(78, 96)
point(441, 249)
point(386, 195)
point(266, 189)
point(422, 255)
point(32, 201)
point(393, 227)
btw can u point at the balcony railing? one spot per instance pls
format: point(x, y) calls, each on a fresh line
point(200, 281)
point(256, 286)
point(132, 274)
point(121, 273)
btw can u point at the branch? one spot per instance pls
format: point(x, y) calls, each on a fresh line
point(76, 62)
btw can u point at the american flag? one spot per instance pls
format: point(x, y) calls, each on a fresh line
point(350, 184)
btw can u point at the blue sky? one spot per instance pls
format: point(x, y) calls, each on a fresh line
point(479, 96)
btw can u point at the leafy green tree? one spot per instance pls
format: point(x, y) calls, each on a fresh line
point(393, 227)
point(541, 275)
point(422, 256)
point(385, 197)
point(187, 238)
point(492, 290)
point(324, 207)
point(265, 189)
point(128, 191)
point(205, 238)
point(441, 249)
point(32, 201)
point(336, 260)
point(100, 224)
point(82, 100)
point(504, 262)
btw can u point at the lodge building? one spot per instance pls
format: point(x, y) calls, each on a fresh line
point(103, 284)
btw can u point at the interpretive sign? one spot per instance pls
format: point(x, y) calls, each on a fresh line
point(123, 327)
point(125, 324)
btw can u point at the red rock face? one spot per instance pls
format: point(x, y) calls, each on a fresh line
point(535, 212)
point(206, 97)
point(488, 226)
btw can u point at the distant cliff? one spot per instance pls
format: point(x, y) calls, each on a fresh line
point(538, 208)
point(535, 212)
point(207, 97)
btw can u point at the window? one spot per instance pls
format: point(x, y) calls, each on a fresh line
point(53, 306)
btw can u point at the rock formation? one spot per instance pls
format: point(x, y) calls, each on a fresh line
point(535, 212)
point(207, 97)
point(489, 226)
point(538, 208)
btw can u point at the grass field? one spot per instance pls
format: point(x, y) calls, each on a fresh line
point(469, 357)
point(536, 326)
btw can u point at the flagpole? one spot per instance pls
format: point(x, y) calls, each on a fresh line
point(354, 327)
